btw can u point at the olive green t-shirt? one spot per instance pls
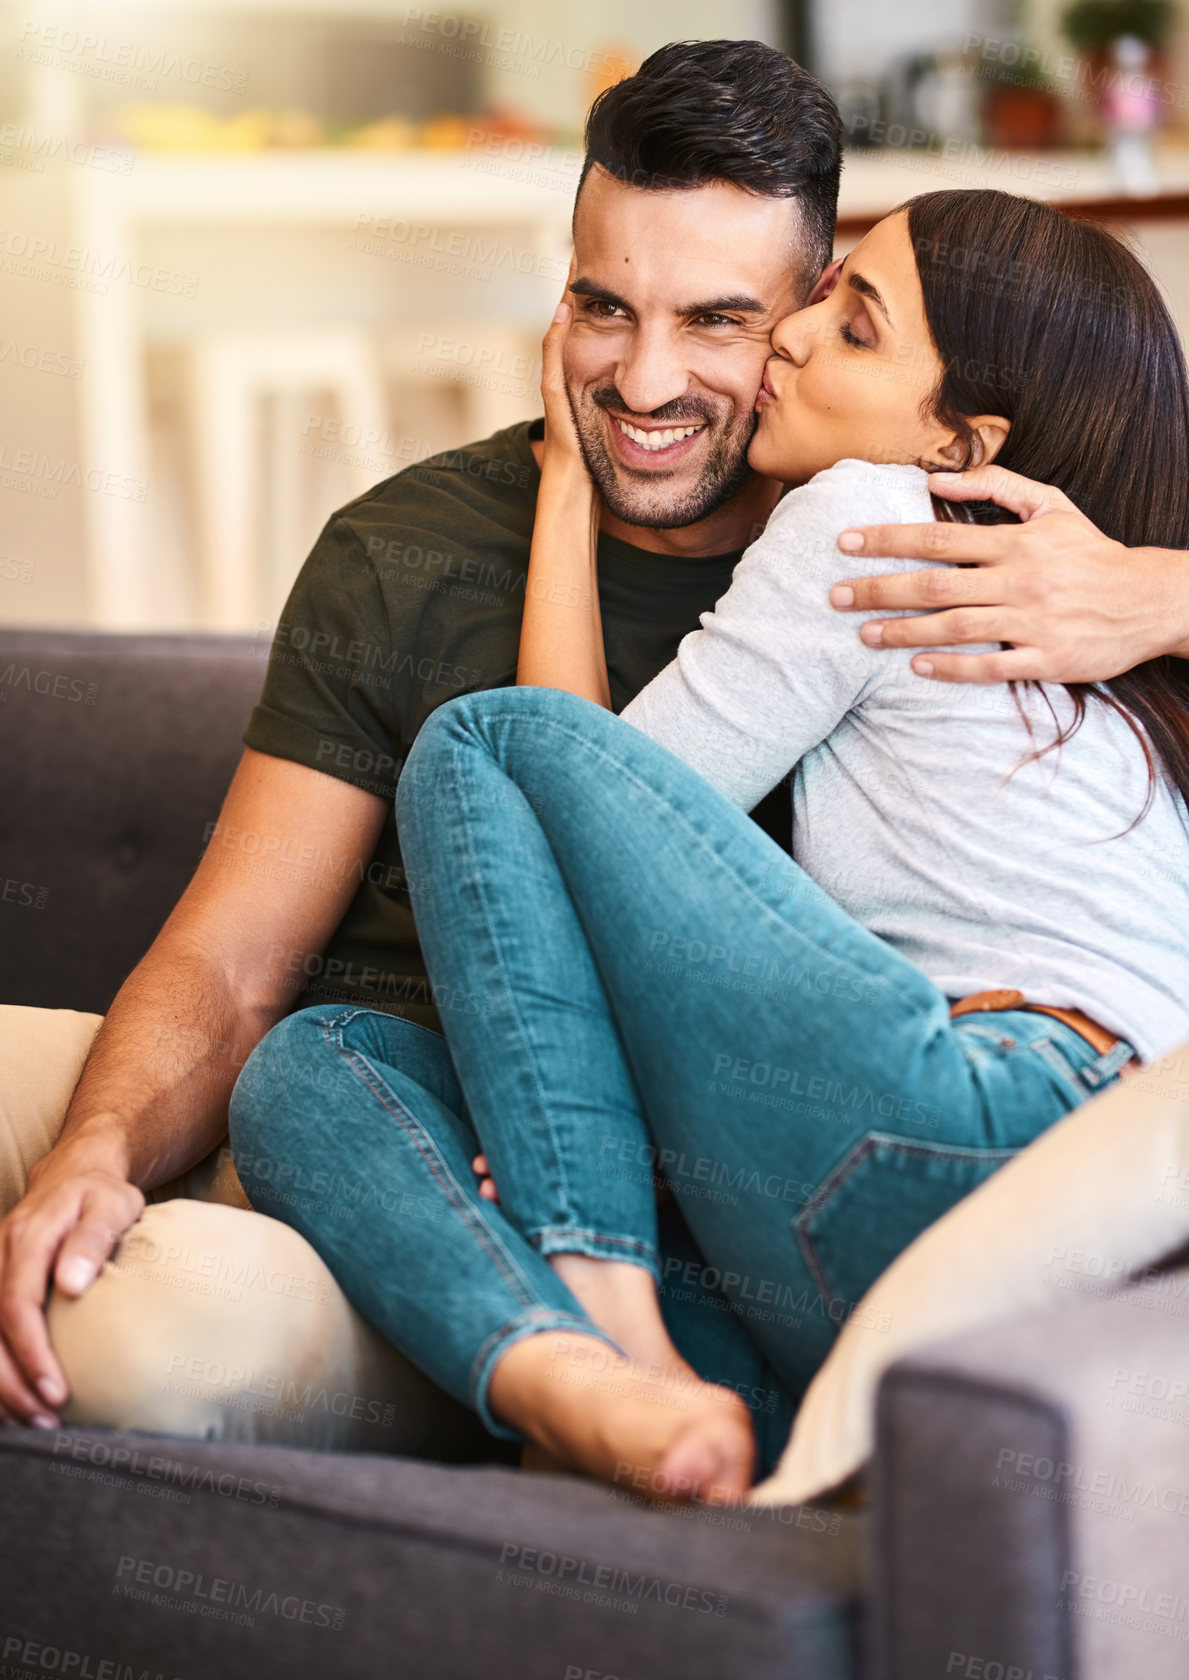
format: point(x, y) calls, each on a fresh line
point(412, 595)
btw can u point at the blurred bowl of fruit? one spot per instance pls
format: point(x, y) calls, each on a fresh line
point(191, 128)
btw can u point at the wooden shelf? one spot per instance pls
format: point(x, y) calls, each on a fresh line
point(1162, 207)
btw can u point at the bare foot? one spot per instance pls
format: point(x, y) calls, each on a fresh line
point(621, 1299)
point(645, 1428)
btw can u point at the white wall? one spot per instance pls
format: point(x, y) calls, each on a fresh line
point(578, 29)
point(859, 39)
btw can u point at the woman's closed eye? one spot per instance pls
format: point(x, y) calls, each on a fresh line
point(848, 333)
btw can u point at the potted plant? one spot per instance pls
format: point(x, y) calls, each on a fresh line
point(1093, 26)
point(1122, 42)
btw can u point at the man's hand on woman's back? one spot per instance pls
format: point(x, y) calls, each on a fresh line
point(1074, 605)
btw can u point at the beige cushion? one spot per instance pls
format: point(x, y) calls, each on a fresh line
point(1102, 1195)
point(213, 1322)
point(42, 1052)
point(209, 1320)
point(213, 1179)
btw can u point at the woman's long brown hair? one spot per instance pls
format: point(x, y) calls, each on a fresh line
point(1054, 324)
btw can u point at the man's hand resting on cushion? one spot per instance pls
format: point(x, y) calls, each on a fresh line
point(1074, 605)
point(75, 1210)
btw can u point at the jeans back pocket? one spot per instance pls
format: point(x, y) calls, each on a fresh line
point(883, 1193)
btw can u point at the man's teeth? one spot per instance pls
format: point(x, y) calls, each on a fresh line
point(656, 440)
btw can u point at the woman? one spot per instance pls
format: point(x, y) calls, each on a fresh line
point(987, 921)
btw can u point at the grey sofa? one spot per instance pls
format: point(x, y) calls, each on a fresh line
point(125, 1554)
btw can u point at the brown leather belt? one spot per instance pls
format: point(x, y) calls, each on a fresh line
point(1005, 998)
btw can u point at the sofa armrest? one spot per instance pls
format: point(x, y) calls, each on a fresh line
point(1031, 1496)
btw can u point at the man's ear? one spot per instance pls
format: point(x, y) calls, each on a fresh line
point(826, 282)
point(989, 436)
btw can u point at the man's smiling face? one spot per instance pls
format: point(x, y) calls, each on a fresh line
point(674, 296)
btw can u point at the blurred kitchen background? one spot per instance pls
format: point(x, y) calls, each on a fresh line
point(257, 255)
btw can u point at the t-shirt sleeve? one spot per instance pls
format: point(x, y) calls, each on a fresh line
point(325, 701)
point(774, 668)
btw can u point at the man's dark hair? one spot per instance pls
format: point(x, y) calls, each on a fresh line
point(697, 112)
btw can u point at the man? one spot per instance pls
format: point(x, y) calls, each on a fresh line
point(705, 213)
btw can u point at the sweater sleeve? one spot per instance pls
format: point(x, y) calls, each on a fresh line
point(774, 668)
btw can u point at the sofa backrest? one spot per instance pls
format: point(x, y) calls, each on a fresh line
point(115, 754)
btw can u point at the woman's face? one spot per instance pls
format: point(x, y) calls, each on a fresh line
point(849, 376)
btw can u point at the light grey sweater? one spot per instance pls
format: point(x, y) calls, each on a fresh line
point(913, 804)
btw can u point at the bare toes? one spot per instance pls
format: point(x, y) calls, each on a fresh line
point(709, 1464)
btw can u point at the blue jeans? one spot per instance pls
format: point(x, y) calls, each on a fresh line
point(637, 987)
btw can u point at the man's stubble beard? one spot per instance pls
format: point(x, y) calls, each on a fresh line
point(636, 503)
